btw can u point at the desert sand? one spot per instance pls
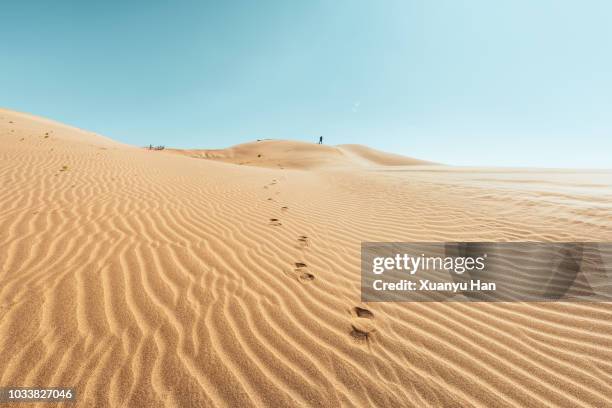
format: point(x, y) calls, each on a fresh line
point(231, 277)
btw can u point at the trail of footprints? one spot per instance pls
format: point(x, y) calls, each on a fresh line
point(362, 324)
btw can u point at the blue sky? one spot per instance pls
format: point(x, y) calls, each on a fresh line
point(473, 82)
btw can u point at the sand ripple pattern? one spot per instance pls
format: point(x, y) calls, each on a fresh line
point(146, 279)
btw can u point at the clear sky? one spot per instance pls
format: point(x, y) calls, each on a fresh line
point(472, 82)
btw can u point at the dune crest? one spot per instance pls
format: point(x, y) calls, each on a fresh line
point(293, 154)
point(146, 279)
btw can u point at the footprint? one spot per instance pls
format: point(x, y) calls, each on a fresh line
point(303, 241)
point(270, 199)
point(275, 222)
point(307, 276)
point(362, 329)
point(284, 208)
point(365, 313)
point(303, 275)
point(362, 326)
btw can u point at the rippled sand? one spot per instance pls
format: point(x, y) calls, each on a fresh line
point(223, 278)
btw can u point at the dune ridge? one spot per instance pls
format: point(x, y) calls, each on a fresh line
point(144, 278)
point(291, 154)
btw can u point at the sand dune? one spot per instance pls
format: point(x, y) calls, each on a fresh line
point(147, 279)
point(290, 154)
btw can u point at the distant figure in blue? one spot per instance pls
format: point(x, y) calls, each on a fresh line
point(320, 139)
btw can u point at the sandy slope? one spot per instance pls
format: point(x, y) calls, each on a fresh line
point(152, 279)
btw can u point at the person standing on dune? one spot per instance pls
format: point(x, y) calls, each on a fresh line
point(320, 139)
